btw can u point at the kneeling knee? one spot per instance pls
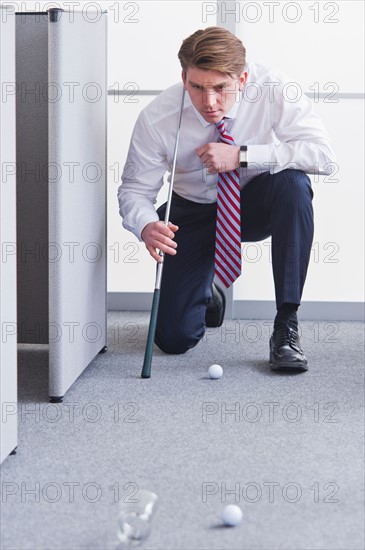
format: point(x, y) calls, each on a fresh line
point(175, 342)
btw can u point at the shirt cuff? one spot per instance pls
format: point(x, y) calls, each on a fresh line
point(261, 156)
point(141, 224)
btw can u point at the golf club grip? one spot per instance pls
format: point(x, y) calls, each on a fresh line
point(146, 370)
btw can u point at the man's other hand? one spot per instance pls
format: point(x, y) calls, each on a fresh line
point(158, 236)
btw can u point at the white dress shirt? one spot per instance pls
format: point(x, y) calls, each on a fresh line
point(272, 116)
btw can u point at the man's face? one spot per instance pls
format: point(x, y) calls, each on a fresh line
point(212, 93)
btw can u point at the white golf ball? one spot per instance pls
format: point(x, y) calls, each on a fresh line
point(215, 371)
point(231, 515)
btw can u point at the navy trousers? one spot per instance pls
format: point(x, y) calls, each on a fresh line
point(277, 205)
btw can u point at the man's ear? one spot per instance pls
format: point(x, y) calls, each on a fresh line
point(183, 76)
point(242, 80)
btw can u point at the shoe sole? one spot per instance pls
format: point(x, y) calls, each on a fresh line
point(289, 367)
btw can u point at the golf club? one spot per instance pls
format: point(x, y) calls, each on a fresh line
point(146, 370)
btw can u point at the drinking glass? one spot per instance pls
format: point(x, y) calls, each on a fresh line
point(134, 519)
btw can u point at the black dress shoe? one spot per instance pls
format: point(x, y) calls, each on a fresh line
point(285, 351)
point(216, 307)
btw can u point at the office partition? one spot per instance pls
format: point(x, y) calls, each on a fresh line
point(61, 82)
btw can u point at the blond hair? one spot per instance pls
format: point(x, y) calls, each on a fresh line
point(213, 48)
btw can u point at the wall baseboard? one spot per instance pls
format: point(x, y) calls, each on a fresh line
point(308, 311)
point(251, 309)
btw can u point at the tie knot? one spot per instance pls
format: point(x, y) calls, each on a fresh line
point(220, 126)
point(224, 136)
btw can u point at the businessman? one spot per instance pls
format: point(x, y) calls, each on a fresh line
point(247, 142)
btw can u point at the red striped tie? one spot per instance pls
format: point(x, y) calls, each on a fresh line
point(227, 262)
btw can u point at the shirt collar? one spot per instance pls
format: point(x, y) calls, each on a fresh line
point(232, 113)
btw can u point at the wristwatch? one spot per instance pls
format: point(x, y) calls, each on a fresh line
point(243, 156)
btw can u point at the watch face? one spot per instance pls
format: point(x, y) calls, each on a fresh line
point(243, 156)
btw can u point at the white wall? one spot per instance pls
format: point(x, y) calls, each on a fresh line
point(320, 45)
point(130, 267)
point(311, 41)
point(335, 271)
point(144, 43)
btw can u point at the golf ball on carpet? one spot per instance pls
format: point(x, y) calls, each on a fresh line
point(231, 515)
point(215, 371)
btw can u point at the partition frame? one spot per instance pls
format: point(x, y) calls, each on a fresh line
point(8, 341)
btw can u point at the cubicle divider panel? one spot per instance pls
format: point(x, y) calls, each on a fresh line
point(32, 176)
point(77, 67)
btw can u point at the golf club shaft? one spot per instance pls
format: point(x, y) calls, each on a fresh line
point(146, 370)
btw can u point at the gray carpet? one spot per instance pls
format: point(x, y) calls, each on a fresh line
point(287, 449)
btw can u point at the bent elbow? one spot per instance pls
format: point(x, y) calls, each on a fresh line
point(328, 160)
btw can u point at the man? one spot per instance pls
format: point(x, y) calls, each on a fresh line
point(245, 128)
